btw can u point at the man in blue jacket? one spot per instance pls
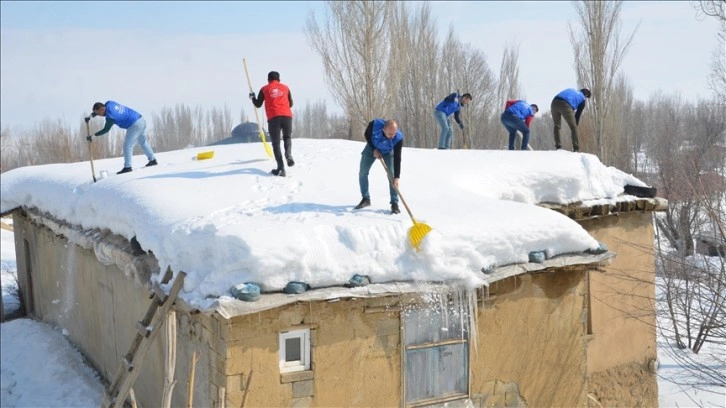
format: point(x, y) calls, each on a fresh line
point(517, 116)
point(450, 104)
point(568, 104)
point(383, 139)
point(135, 125)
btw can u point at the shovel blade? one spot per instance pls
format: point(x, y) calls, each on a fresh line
point(268, 149)
point(417, 233)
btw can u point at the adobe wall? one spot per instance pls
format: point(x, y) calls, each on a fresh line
point(355, 348)
point(530, 349)
point(97, 307)
point(623, 341)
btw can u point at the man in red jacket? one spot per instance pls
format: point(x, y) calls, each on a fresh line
point(278, 103)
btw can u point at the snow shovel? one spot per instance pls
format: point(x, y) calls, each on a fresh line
point(419, 230)
point(90, 155)
point(257, 115)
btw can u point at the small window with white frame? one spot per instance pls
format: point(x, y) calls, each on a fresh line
point(295, 350)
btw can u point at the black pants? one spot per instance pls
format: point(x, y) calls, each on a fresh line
point(277, 124)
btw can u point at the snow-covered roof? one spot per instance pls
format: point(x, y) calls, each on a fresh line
point(226, 220)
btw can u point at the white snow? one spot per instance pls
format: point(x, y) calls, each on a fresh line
point(8, 267)
point(41, 369)
point(677, 384)
point(226, 220)
point(182, 202)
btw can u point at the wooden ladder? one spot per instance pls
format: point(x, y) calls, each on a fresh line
point(146, 331)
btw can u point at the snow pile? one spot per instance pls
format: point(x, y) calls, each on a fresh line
point(226, 220)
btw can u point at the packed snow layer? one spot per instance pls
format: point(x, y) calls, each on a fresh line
point(226, 220)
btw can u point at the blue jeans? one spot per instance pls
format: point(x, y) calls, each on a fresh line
point(446, 132)
point(136, 132)
point(513, 124)
point(366, 162)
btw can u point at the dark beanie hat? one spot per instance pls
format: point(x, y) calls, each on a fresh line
point(586, 92)
point(273, 76)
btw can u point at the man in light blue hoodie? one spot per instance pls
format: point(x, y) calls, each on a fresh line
point(450, 104)
point(135, 125)
point(568, 104)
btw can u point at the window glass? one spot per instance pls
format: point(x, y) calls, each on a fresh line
point(436, 355)
point(432, 325)
point(293, 349)
point(436, 372)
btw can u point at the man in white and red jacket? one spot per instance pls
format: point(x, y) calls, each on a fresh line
point(278, 103)
point(517, 116)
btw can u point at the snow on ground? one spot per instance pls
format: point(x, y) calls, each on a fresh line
point(40, 368)
point(679, 385)
point(7, 270)
point(226, 220)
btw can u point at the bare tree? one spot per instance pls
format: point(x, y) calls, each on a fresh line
point(599, 52)
point(638, 126)
point(416, 36)
point(464, 68)
point(182, 126)
point(9, 158)
point(219, 123)
point(623, 128)
point(717, 74)
point(688, 167)
point(354, 42)
point(540, 135)
point(509, 86)
point(710, 8)
point(314, 122)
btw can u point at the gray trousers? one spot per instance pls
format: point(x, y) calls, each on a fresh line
point(561, 109)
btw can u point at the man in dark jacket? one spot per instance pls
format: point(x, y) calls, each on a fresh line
point(135, 125)
point(383, 139)
point(450, 104)
point(278, 103)
point(517, 116)
point(568, 104)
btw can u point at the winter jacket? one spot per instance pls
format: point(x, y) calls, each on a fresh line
point(575, 99)
point(450, 105)
point(277, 99)
point(375, 137)
point(520, 109)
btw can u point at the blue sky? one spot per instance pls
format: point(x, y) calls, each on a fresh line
point(57, 58)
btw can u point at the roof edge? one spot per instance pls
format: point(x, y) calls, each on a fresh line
point(585, 210)
point(229, 307)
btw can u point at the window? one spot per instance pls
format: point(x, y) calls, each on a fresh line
point(436, 356)
point(295, 350)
